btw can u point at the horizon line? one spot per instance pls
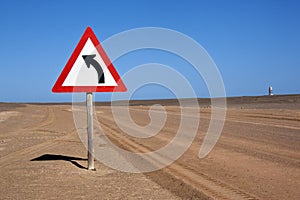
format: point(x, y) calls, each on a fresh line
point(161, 99)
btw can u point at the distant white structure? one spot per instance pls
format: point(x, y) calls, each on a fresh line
point(270, 91)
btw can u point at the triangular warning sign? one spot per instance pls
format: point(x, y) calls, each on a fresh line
point(89, 69)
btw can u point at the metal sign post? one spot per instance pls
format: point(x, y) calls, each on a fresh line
point(89, 109)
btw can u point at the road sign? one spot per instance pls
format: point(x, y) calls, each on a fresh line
point(89, 69)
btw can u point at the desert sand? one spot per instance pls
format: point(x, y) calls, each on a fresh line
point(256, 157)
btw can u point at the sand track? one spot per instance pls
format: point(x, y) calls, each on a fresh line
point(266, 144)
point(209, 186)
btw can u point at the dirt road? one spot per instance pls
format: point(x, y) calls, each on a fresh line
point(256, 157)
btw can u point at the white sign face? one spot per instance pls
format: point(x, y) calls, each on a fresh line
point(83, 75)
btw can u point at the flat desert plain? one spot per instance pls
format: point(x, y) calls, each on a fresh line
point(256, 157)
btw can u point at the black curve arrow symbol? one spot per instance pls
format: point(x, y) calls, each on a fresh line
point(89, 60)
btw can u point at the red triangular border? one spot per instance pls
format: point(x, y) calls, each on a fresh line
point(58, 87)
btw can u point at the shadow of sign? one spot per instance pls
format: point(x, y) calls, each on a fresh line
point(53, 157)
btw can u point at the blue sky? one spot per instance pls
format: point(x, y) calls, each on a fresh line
point(254, 43)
